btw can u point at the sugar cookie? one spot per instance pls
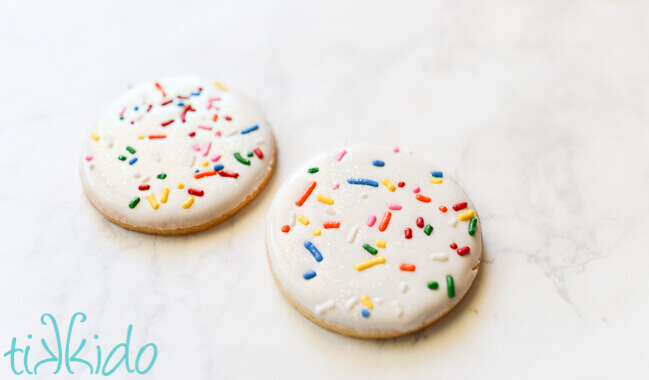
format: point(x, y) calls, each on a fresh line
point(177, 156)
point(361, 242)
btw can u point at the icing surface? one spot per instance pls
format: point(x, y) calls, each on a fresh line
point(158, 135)
point(338, 257)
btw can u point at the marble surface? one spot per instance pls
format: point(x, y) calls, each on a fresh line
point(538, 109)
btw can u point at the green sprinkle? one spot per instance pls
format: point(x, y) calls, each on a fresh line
point(428, 229)
point(370, 249)
point(450, 286)
point(134, 202)
point(162, 176)
point(121, 158)
point(472, 225)
point(241, 159)
point(131, 150)
point(313, 170)
point(250, 154)
point(433, 285)
point(121, 117)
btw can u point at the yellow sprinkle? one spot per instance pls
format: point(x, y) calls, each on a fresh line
point(389, 185)
point(181, 186)
point(365, 300)
point(153, 202)
point(165, 195)
point(219, 85)
point(188, 202)
point(369, 263)
point(94, 136)
point(303, 220)
point(140, 137)
point(326, 200)
point(317, 233)
point(205, 163)
point(380, 243)
point(435, 180)
point(466, 215)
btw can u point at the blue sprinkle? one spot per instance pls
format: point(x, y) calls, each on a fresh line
point(248, 130)
point(361, 181)
point(196, 171)
point(308, 275)
point(132, 161)
point(218, 167)
point(437, 174)
point(314, 251)
point(195, 93)
point(378, 163)
point(136, 108)
point(181, 104)
point(365, 313)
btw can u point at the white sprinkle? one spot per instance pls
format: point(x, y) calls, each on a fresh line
point(292, 218)
point(330, 210)
point(452, 222)
point(403, 287)
point(439, 257)
point(364, 195)
point(378, 300)
point(146, 179)
point(397, 309)
point(352, 235)
point(351, 302)
point(91, 165)
point(324, 307)
point(191, 159)
point(136, 174)
point(231, 133)
point(109, 140)
point(260, 141)
point(156, 156)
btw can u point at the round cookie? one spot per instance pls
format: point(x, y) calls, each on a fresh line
point(177, 156)
point(372, 242)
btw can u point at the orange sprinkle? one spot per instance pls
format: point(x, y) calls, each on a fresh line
point(306, 194)
point(442, 208)
point(385, 221)
point(153, 137)
point(215, 117)
point(204, 174)
point(164, 94)
point(407, 267)
point(331, 224)
point(286, 228)
point(422, 198)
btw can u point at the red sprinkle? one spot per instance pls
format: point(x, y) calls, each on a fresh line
point(422, 198)
point(331, 224)
point(198, 193)
point(192, 134)
point(442, 208)
point(149, 109)
point(228, 174)
point(153, 137)
point(401, 184)
point(228, 118)
point(408, 232)
point(167, 102)
point(420, 222)
point(132, 122)
point(407, 267)
point(182, 97)
point(144, 187)
point(204, 174)
point(164, 94)
point(286, 228)
point(453, 246)
point(459, 206)
point(259, 153)
point(463, 251)
point(184, 112)
point(167, 123)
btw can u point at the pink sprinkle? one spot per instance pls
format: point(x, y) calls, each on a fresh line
point(394, 206)
point(206, 150)
point(210, 101)
point(196, 147)
point(335, 186)
point(396, 149)
point(416, 189)
point(218, 133)
point(122, 113)
point(215, 158)
point(205, 127)
point(88, 158)
point(371, 220)
point(341, 155)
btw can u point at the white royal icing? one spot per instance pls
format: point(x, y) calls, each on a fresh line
point(339, 294)
point(113, 184)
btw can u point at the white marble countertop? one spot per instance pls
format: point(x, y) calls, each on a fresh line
point(538, 109)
